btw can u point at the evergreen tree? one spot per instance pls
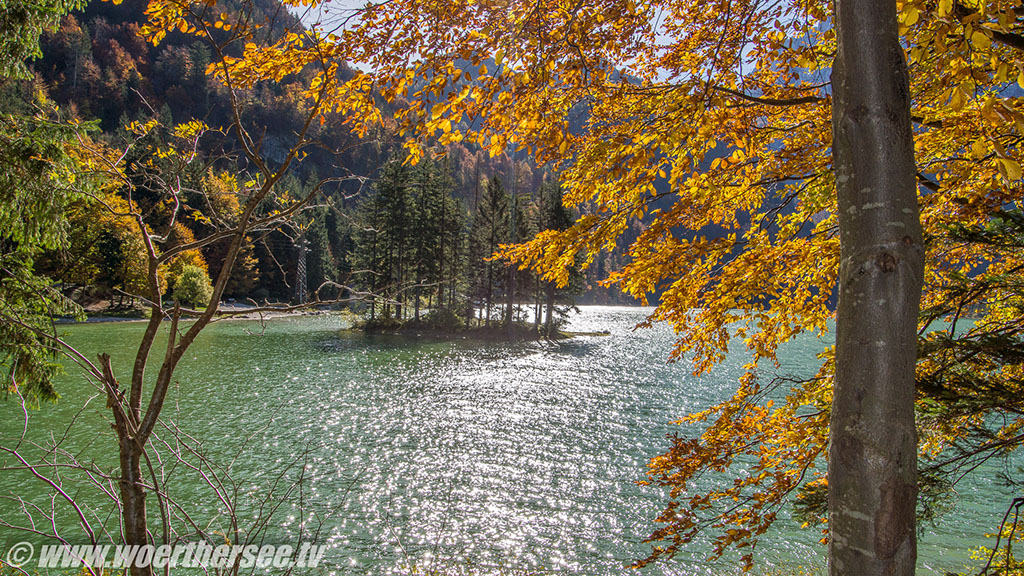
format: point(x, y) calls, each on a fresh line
point(452, 241)
point(521, 227)
point(490, 228)
point(366, 250)
point(33, 217)
point(426, 232)
point(553, 215)
point(409, 240)
point(438, 231)
point(34, 194)
point(383, 254)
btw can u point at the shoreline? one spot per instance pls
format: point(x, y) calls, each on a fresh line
point(234, 311)
point(520, 331)
point(230, 314)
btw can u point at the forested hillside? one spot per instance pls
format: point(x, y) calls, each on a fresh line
point(97, 67)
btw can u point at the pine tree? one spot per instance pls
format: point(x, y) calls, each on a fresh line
point(555, 216)
point(383, 254)
point(490, 228)
point(438, 231)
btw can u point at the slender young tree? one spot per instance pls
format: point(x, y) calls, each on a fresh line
point(872, 461)
point(510, 272)
point(553, 216)
point(490, 229)
point(382, 250)
point(136, 396)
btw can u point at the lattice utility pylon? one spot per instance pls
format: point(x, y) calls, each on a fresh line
point(301, 287)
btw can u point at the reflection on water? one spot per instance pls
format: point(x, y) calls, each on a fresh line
point(458, 452)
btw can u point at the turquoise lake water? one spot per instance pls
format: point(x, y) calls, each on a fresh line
point(446, 454)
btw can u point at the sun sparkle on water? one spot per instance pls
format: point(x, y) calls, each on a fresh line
point(450, 453)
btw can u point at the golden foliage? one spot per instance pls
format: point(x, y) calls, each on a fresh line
point(711, 123)
point(181, 235)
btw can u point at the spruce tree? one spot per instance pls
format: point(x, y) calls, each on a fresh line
point(490, 228)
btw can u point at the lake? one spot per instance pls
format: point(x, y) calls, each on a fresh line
point(450, 454)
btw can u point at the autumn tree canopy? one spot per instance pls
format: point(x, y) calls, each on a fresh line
point(711, 123)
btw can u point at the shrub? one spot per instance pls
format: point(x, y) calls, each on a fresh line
point(193, 286)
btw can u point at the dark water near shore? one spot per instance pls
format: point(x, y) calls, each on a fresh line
point(451, 453)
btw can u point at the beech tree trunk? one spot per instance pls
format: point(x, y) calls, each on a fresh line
point(873, 445)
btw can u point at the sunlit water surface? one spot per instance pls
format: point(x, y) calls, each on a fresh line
point(451, 454)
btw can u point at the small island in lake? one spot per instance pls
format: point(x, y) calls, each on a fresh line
point(443, 323)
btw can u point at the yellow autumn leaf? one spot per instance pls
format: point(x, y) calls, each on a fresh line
point(957, 99)
point(980, 40)
point(1010, 168)
point(978, 149)
point(911, 15)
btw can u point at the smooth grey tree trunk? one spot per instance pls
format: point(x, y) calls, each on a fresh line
point(873, 444)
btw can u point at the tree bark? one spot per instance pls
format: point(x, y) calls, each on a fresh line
point(873, 443)
point(134, 529)
point(133, 502)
